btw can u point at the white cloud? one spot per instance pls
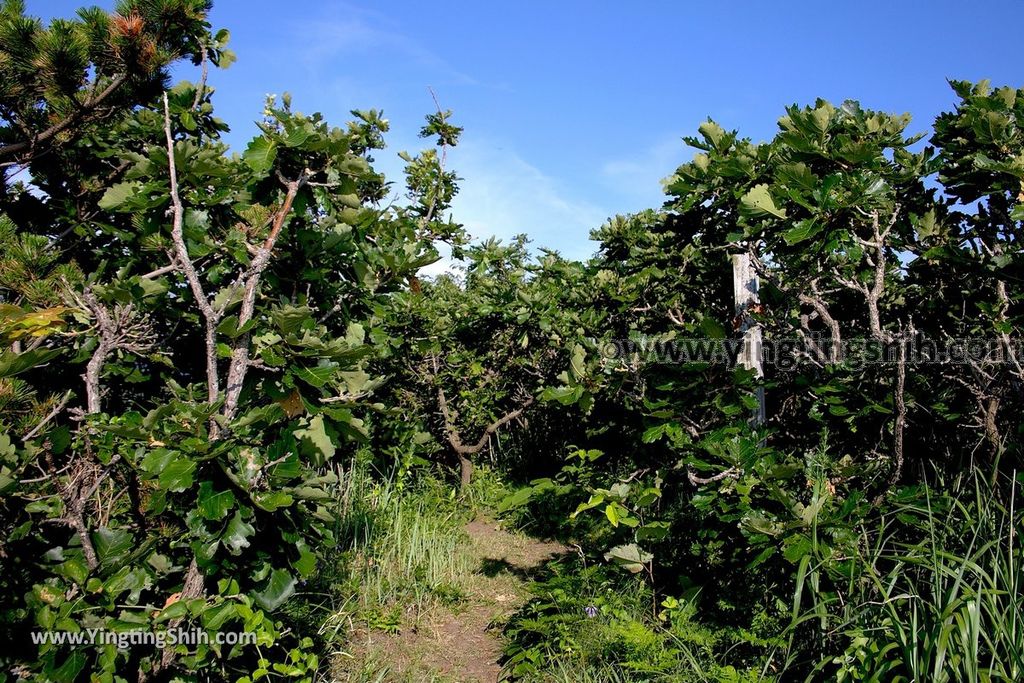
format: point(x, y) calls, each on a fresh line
point(327, 39)
point(638, 178)
point(503, 195)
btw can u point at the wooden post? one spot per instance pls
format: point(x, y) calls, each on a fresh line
point(745, 285)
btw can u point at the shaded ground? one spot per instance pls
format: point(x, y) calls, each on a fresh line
point(463, 644)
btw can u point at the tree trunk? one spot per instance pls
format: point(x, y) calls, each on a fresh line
point(466, 471)
point(745, 294)
point(93, 370)
point(192, 588)
point(992, 425)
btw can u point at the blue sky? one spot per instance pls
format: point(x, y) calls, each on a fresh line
point(574, 110)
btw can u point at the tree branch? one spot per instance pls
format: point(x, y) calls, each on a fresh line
point(731, 473)
point(118, 328)
point(239, 365)
point(81, 115)
point(49, 416)
point(453, 435)
point(184, 262)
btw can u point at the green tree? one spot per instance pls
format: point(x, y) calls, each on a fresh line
point(198, 325)
point(57, 80)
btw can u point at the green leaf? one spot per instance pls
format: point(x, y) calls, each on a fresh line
point(75, 570)
point(577, 363)
point(712, 132)
point(118, 195)
point(7, 482)
point(926, 225)
point(112, 545)
point(177, 476)
point(652, 531)
point(151, 288)
point(156, 460)
point(804, 230)
point(355, 381)
point(797, 174)
point(758, 202)
point(796, 548)
point(214, 506)
point(230, 328)
point(614, 513)
point(216, 616)
point(820, 118)
point(712, 328)
point(70, 669)
point(516, 500)
point(290, 318)
point(12, 363)
point(296, 135)
point(228, 297)
point(278, 590)
point(7, 448)
point(306, 564)
point(317, 376)
point(629, 557)
point(652, 434)
point(355, 334)
point(316, 436)
point(593, 502)
point(647, 496)
point(260, 154)
point(236, 535)
point(272, 500)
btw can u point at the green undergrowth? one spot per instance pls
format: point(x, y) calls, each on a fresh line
point(930, 590)
point(938, 596)
point(592, 623)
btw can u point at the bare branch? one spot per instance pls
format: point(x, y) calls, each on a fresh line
point(163, 270)
point(901, 411)
point(184, 261)
point(192, 587)
point(456, 440)
point(49, 416)
point(201, 87)
point(345, 398)
point(818, 304)
point(1004, 337)
point(121, 328)
point(731, 473)
point(873, 294)
point(440, 168)
point(239, 364)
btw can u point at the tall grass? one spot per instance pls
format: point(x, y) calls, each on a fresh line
point(938, 594)
point(400, 551)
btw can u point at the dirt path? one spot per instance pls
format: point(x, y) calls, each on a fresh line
point(463, 645)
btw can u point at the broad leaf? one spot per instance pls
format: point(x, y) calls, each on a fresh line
point(629, 557)
point(280, 587)
point(260, 154)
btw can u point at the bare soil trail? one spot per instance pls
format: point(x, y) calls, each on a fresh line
point(463, 644)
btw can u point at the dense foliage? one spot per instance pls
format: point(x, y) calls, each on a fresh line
point(202, 350)
point(875, 254)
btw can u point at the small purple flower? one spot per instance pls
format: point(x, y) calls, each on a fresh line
point(590, 611)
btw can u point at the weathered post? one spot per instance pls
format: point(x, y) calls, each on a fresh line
point(745, 285)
